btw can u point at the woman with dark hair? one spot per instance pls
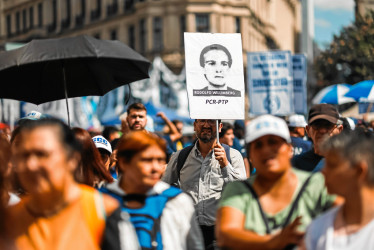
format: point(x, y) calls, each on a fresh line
point(91, 170)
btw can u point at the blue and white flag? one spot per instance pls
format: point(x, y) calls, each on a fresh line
point(299, 83)
point(270, 81)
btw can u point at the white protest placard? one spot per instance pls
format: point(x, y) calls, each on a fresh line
point(214, 75)
point(270, 83)
point(299, 83)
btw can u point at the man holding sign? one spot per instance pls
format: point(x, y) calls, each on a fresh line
point(206, 166)
point(202, 170)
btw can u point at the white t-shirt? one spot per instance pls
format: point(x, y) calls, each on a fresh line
point(320, 234)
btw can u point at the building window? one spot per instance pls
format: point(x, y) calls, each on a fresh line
point(24, 20)
point(79, 19)
point(31, 17)
point(157, 34)
point(9, 25)
point(131, 34)
point(113, 35)
point(65, 23)
point(129, 5)
point(237, 25)
point(95, 14)
point(52, 26)
point(18, 17)
point(202, 23)
point(142, 35)
point(40, 15)
point(182, 29)
point(112, 8)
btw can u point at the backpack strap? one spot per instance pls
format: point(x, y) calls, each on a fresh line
point(227, 151)
point(264, 218)
point(147, 219)
point(182, 157)
point(184, 153)
point(296, 201)
point(293, 207)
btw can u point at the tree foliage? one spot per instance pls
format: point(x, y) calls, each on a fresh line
point(350, 57)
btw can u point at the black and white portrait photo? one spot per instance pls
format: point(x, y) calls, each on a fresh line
point(216, 61)
point(214, 73)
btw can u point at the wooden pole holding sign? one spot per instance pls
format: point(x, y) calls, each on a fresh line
point(217, 132)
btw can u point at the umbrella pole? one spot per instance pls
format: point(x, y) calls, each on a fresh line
point(66, 93)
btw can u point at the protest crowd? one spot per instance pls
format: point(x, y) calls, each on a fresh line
point(267, 183)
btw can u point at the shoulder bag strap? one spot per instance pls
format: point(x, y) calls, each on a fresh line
point(264, 218)
point(296, 201)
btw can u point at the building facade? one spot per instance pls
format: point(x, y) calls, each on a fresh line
point(155, 27)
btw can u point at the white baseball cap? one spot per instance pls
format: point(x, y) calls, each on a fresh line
point(101, 142)
point(267, 125)
point(297, 121)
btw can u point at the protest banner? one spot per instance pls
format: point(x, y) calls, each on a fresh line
point(299, 83)
point(270, 83)
point(214, 75)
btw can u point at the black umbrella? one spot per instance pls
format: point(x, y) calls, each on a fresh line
point(53, 69)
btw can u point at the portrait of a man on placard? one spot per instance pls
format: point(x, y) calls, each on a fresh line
point(216, 61)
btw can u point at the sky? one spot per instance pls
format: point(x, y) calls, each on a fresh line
point(329, 18)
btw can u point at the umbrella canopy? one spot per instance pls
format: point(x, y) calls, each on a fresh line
point(52, 69)
point(362, 91)
point(333, 94)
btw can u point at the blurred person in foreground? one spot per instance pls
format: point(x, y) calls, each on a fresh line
point(56, 212)
point(349, 172)
point(323, 122)
point(163, 216)
point(6, 196)
point(31, 117)
point(91, 169)
point(271, 209)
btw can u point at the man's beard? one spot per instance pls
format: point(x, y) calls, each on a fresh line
point(133, 127)
point(206, 137)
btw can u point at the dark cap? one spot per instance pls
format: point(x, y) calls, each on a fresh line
point(323, 111)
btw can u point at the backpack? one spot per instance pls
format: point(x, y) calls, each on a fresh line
point(147, 219)
point(182, 157)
